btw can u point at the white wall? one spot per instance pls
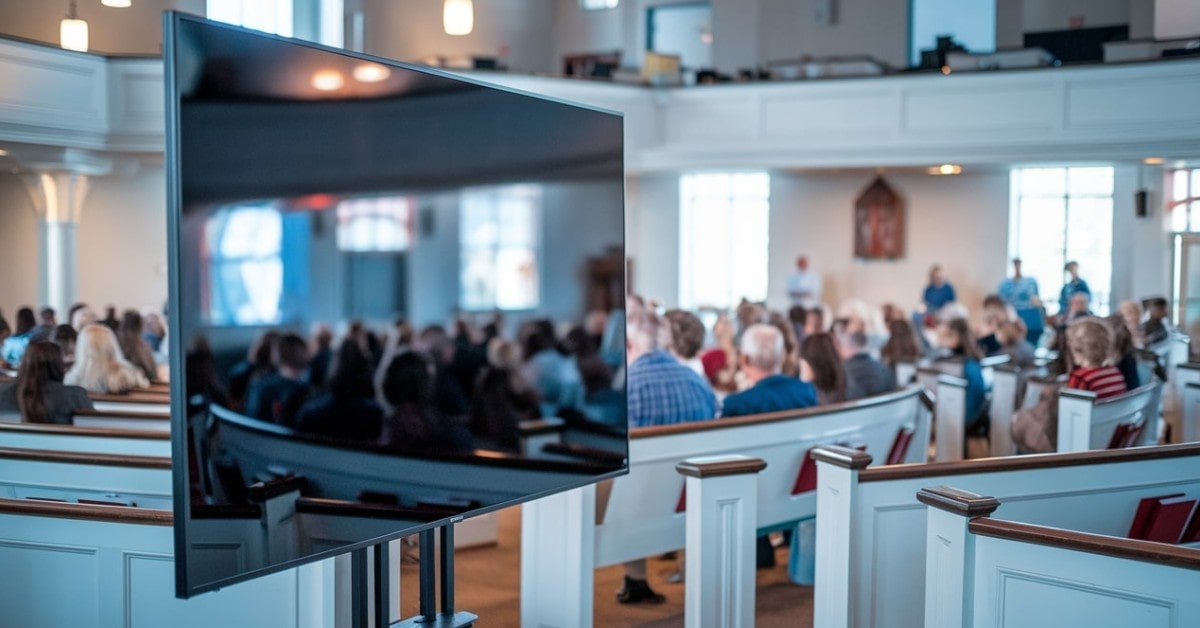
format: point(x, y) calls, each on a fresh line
point(652, 216)
point(878, 28)
point(135, 30)
point(1141, 260)
point(516, 31)
point(1176, 18)
point(1040, 15)
point(18, 240)
point(959, 221)
point(123, 240)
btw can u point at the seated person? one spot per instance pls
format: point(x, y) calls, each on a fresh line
point(1012, 338)
point(865, 376)
point(502, 398)
point(954, 335)
point(1124, 355)
point(278, 396)
point(1090, 343)
point(348, 409)
point(256, 365)
point(769, 390)
point(14, 346)
point(100, 367)
point(821, 366)
point(1157, 328)
point(995, 313)
point(902, 345)
point(417, 421)
point(38, 393)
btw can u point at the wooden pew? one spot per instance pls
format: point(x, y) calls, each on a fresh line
point(641, 514)
point(1184, 426)
point(85, 439)
point(144, 481)
point(986, 571)
point(1087, 423)
point(115, 566)
point(155, 422)
point(132, 402)
point(870, 526)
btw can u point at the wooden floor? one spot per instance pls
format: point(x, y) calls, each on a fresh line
point(488, 585)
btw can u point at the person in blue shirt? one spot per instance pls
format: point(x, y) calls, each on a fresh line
point(939, 292)
point(1073, 286)
point(1021, 293)
point(770, 390)
point(955, 336)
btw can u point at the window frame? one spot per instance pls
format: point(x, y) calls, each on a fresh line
point(689, 243)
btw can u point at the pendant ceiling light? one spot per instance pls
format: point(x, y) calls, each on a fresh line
point(116, 4)
point(72, 31)
point(458, 17)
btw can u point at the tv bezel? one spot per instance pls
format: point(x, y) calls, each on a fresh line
point(172, 20)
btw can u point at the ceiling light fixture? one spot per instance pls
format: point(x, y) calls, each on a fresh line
point(72, 31)
point(117, 4)
point(327, 80)
point(944, 169)
point(1154, 161)
point(458, 17)
point(370, 73)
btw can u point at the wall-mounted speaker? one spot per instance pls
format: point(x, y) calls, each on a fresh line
point(1141, 203)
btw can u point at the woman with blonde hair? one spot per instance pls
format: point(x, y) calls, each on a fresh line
point(100, 367)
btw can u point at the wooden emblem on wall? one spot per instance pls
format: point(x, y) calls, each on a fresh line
point(879, 222)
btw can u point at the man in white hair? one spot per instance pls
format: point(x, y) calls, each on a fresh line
point(770, 390)
point(661, 391)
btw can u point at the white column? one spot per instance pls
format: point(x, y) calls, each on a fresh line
point(950, 553)
point(558, 549)
point(837, 493)
point(1075, 419)
point(722, 525)
point(58, 198)
point(1189, 414)
point(950, 416)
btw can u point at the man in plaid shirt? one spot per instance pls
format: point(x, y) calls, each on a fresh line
point(661, 391)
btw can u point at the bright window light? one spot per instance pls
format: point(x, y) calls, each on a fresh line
point(723, 235)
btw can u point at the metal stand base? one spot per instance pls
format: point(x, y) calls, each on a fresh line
point(460, 619)
point(364, 584)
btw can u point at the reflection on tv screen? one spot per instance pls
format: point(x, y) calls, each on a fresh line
point(397, 298)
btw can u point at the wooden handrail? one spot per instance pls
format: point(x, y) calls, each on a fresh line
point(1032, 461)
point(73, 430)
point(1116, 547)
point(132, 397)
point(117, 414)
point(75, 457)
point(262, 491)
point(86, 512)
point(913, 390)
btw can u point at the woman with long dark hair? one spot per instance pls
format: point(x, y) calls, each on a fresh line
point(821, 365)
point(955, 336)
point(134, 346)
point(38, 393)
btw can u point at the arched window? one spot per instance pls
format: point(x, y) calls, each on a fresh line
point(245, 269)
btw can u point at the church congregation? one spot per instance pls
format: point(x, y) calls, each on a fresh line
point(894, 329)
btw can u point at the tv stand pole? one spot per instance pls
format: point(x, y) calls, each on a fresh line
point(434, 570)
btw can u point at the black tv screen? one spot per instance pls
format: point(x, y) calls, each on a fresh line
point(395, 299)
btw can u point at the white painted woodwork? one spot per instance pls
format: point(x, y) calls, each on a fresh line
point(721, 533)
point(1085, 423)
point(1017, 584)
point(100, 574)
point(948, 545)
point(950, 415)
point(636, 514)
point(57, 441)
point(1127, 111)
point(870, 535)
point(1006, 385)
point(147, 488)
point(557, 559)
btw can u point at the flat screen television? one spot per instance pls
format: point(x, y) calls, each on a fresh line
point(388, 300)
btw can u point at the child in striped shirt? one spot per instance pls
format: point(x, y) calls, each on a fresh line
point(1090, 344)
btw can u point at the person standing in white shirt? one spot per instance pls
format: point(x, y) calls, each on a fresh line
point(804, 285)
